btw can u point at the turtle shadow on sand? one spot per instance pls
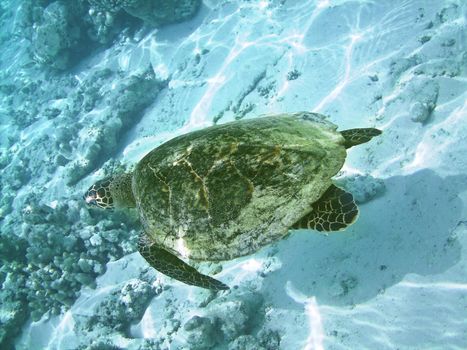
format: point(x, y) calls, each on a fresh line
point(409, 229)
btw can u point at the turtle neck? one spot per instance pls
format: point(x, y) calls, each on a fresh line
point(121, 191)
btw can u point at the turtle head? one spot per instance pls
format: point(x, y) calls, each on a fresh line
point(99, 194)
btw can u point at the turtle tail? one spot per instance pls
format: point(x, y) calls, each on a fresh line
point(353, 137)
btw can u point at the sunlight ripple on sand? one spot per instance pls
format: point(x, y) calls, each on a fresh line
point(316, 332)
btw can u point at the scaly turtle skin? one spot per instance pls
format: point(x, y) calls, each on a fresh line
point(228, 190)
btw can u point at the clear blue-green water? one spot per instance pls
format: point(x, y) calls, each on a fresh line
point(87, 88)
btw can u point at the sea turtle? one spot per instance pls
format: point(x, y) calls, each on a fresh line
point(225, 191)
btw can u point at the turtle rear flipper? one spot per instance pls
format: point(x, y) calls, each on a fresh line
point(334, 211)
point(171, 266)
point(355, 137)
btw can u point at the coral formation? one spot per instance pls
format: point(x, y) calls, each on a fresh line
point(203, 332)
point(233, 320)
point(46, 264)
point(153, 12)
point(62, 32)
point(363, 187)
point(125, 305)
point(54, 34)
point(133, 94)
point(60, 246)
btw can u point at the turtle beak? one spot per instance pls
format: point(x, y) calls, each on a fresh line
point(98, 195)
point(90, 198)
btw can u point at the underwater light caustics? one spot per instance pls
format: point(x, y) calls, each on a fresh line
point(148, 328)
point(263, 4)
point(182, 248)
point(323, 4)
point(315, 337)
point(346, 79)
point(198, 116)
point(430, 148)
point(449, 286)
point(252, 265)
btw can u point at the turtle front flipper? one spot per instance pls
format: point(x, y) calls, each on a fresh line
point(355, 137)
point(334, 211)
point(171, 266)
